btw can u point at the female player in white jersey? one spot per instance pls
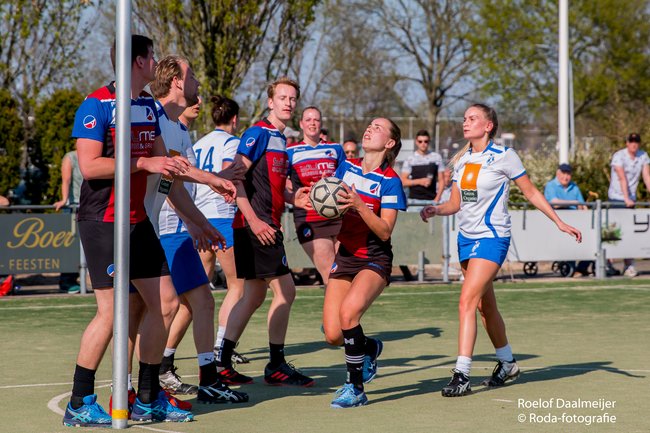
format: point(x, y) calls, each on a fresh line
point(215, 152)
point(482, 174)
point(363, 263)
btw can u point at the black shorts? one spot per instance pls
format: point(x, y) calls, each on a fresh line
point(146, 258)
point(256, 261)
point(308, 231)
point(348, 265)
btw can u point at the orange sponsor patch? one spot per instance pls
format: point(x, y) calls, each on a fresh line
point(468, 187)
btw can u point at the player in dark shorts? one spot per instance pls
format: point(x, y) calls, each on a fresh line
point(259, 251)
point(94, 129)
point(309, 161)
point(362, 266)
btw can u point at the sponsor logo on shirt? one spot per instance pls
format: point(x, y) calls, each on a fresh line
point(374, 189)
point(250, 142)
point(468, 188)
point(149, 114)
point(490, 160)
point(334, 267)
point(90, 122)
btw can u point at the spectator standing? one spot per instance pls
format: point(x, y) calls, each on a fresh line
point(422, 172)
point(627, 167)
point(71, 180)
point(351, 149)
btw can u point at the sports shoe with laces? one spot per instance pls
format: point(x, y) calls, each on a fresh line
point(219, 392)
point(130, 400)
point(160, 409)
point(630, 272)
point(238, 358)
point(170, 381)
point(370, 363)
point(286, 374)
point(348, 396)
point(91, 414)
point(235, 358)
point(230, 376)
point(181, 404)
point(502, 373)
point(458, 385)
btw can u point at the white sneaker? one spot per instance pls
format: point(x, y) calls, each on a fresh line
point(630, 272)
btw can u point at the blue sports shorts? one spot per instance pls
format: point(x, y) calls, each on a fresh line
point(184, 262)
point(224, 225)
point(492, 249)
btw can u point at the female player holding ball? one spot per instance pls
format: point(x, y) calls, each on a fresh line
point(362, 267)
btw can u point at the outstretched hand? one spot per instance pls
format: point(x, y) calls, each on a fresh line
point(570, 230)
point(224, 188)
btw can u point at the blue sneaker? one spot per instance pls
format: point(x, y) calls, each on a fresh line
point(348, 396)
point(159, 410)
point(91, 414)
point(370, 364)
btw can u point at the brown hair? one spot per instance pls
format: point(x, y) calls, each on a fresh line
point(167, 69)
point(223, 109)
point(490, 115)
point(395, 134)
point(139, 48)
point(270, 90)
point(311, 107)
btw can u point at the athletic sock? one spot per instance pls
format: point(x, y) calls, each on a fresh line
point(464, 364)
point(224, 354)
point(148, 384)
point(82, 385)
point(354, 342)
point(167, 363)
point(276, 352)
point(371, 347)
point(504, 354)
point(221, 331)
point(207, 369)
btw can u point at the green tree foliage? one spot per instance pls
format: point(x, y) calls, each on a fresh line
point(222, 38)
point(608, 51)
point(11, 142)
point(53, 126)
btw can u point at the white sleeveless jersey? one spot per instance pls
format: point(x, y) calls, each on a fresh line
point(211, 152)
point(484, 182)
point(177, 139)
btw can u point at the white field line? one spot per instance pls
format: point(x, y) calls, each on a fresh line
point(54, 406)
point(389, 294)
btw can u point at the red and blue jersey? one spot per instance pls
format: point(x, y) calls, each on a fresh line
point(95, 120)
point(266, 148)
point(307, 165)
point(379, 189)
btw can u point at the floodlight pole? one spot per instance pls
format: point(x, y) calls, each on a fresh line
point(563, 78)
point(122, 226)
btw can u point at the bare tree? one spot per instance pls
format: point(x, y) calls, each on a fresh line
point(429, 38)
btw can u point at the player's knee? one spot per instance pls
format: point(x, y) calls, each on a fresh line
point(333, 338)
point(467, 305)
point(169, 308)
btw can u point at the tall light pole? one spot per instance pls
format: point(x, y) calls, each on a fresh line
point(563, 78)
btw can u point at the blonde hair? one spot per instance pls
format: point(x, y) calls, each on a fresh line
point(490, 115)
point(167, 69)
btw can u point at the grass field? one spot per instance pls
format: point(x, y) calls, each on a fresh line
point(586, 340)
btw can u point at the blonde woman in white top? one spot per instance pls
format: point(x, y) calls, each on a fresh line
point(482, 175)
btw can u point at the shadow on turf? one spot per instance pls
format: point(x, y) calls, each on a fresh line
point(261, 353)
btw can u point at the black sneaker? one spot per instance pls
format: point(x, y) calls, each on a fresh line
point(220, 393)
point(230, 376)
point(458, 385)
point(172, 383)
point(286, 374)
point(502, 373)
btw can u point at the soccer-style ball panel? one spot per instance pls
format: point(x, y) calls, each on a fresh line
point(324, 197)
